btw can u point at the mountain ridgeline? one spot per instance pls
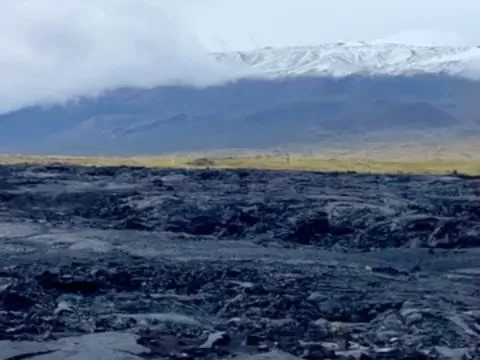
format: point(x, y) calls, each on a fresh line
point(245, 114)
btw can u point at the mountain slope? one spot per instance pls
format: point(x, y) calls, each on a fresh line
point(288, 97)
point(341, 59)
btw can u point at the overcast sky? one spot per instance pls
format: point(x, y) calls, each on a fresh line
point(53, 50)
point(252, 23)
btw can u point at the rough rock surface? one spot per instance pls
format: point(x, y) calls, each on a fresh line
point(121, 263)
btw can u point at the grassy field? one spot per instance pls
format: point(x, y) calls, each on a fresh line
point(433, 165)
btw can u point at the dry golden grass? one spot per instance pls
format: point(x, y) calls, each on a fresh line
point(372, 164)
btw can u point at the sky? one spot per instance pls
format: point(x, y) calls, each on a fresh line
point(55, 50)
point(243, 24)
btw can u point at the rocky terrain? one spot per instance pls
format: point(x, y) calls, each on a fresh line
point(123, 263)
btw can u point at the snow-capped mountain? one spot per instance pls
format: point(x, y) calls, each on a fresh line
point(308, 96)
point(342, 59)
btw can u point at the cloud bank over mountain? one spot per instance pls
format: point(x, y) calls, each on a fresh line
point(55, 50)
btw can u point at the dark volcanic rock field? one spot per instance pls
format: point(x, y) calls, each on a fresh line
point(122, 263)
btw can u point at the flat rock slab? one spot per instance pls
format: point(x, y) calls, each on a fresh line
point(271, 355)
point(105, 346)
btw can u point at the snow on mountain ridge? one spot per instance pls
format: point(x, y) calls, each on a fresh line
point(424, 37)
point(342, 59)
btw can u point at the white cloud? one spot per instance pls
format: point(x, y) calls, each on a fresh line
point(53, 50)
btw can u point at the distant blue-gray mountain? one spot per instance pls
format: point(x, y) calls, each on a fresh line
point(277, 110)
